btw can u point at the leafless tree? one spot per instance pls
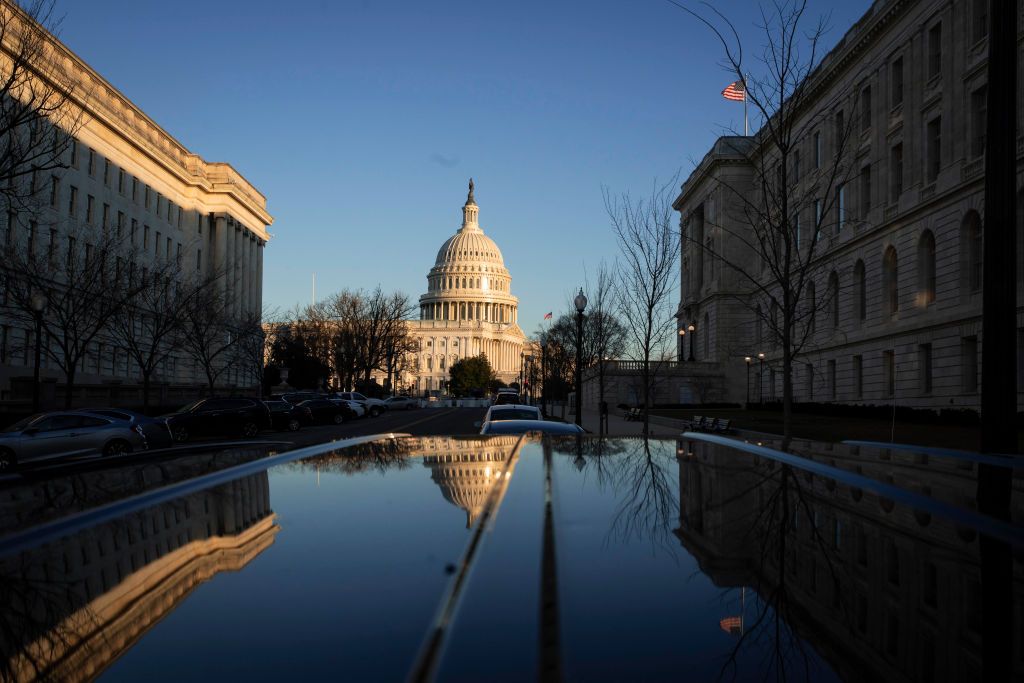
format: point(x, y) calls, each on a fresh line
point(38, 116)
point(607, 333)
point(208, 329)
point(649, 247)
point(83, 285)
point(771, 227)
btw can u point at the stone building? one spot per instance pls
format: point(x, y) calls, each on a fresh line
point(899, 282)
point(468, 309)
point(127, 174)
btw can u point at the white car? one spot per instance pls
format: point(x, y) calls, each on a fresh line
point(374, 406)
point(359, 408)
point(512, 411)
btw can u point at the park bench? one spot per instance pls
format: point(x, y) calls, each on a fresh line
point(697, 424)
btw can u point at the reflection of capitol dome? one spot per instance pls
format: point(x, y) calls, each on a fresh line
point(467, 474)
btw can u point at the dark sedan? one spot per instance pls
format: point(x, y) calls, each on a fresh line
point(219, 417)
point(325, 411)
point(284, 416)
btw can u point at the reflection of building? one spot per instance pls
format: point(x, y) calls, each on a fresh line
point(119, 579)
point(882, 591)
point(893, 309)
point(468, 309)
point(467, 470)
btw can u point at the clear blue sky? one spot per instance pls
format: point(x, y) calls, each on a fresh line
point(361, 121)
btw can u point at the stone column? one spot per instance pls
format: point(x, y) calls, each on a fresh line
point(259, 275)
point(220, 252)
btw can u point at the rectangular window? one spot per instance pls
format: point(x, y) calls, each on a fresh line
point(51, 248)
point(817, 149)
point(924, 368)
point(840, 207)
point(74, 154)
point(817, 219)
point(979, 114)
point(865, 192)
point(889, 370)
point(858, 376)
point(120, 224)
point(896, 83)
point(935, 50)
point(135, 189)
point(90, 206)
point(145, 237)
point(933, 141)
point(979, 19)
point(840, 133)
point(199, 259)
point(865, 109)
point(159, 200)
point(32, 226)
point(135, 229)
point(832, 379)
point(92, 163)
point(796, 166)
point(106, 216)
point(896, 172)
point(120, 181)
point(796, 229)
point(969, 364)
point(106, 172)
point(54, 190)
point(156, 244)
point(167, 250)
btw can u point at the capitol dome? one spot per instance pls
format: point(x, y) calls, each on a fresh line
point(469, 245)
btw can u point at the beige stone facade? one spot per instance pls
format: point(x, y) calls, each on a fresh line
point(468, 309)
point(126, 173)
point(903, 252)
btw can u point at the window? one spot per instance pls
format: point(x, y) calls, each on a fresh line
point(812, 307)
point(145, 237)
point(73, 201)
point(933, 141)
point(890, 282)
point(106, 172)
point(817, 149)
point(832, 379)
point(971, 248)
point(796, 229)
point(135, 189)
point(969, 364)
point(106, 216)
point(796, 166)
point(979, 114)
point(92, 163)
point(840, 207)
point(896, 82)
point(858, 376)
point(833, 296)
point(926, 269)
point(54, 190)
point(840, 138)
point(889, 369)
point(896, 172)
point(865, 192)
point(146, 200)
point(924, 368)
point(935, 50)
point(817, 219)
point(135, 230)
point(156, 244)
point(809, 381)
point(865, 109)
point(32, 227)
point(74, 154)
point(90, 206)
point(979, 19)
point(120, 181)
point(120, 224)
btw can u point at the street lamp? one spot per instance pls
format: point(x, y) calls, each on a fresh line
point(581, 305)
point(37, 302)
point(760, 378)
point(691, 327)
point(746, 398)
point(682, 344)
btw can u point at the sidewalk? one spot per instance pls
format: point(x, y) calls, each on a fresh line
point(619, 426)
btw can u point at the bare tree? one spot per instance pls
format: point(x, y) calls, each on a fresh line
point(82, 284)
point(772, 223)
point(607, 333)
point(38, 118)
point(208, 331)
point(649, 246)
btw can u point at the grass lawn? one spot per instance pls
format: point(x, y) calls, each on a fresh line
point(832, 428)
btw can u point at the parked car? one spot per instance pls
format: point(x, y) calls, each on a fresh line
point(219, 417)
point(374, 406)
point(62, 434)
point(358, 409)
point(285, 416)
point(524, 426)
point(154, 430)
point(512, 411)
point(506, 398)
point(297, 397)
point(325, 411)
point(402, 403)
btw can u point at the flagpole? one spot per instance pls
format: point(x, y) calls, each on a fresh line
point(746, 127)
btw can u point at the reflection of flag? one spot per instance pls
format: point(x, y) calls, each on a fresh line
point(547, 316)
point(732, 625)
point(735, 91)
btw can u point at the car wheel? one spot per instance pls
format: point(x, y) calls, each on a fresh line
point(338, 418)
point(7, 460)
point(117, 447)
point(250, 429)
point(180, 434)
point(375, 411)
point(294, 425)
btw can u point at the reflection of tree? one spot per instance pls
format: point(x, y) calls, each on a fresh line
point(382, 455)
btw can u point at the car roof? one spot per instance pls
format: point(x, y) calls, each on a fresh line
point(523, 426)
point(513, 406)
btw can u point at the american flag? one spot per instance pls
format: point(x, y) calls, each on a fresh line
point(732, 625)
point(735, 91)
point(547, 316)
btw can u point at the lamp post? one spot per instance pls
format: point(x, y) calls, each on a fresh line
point(682, 344)
point(581, 305)
point(746, 397)
point(522, 359)
point(37, 303)
point(543, 376)
point(691, 327)
point(760, 380)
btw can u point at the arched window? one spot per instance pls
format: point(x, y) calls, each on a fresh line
point(860, 290)
point(833, 297)
point(812, 306)
point(971, 251)
point(890, 282)
point(926, 268)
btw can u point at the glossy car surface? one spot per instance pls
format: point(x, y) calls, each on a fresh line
point(506, 399)
point(597, 559)
point(153, 429)
point(358, 409)
point(285, 416)
point(402, 403)
point(512, 411)
point(374, 406)
point(324, 411)
point(524, 426)
point(233, 417)
point(62, 434)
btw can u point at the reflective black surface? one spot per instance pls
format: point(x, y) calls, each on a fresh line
point(495, 558)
